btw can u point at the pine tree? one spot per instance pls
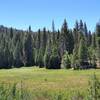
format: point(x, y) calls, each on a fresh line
point(98, 51)
point(38, 39)
point(29, 29)
point(81, 27)
point(65, 39)
point(54, 62)
point(89, 38)
point(75, 59)
point(17, 56)
point(53, 26)
point(28, 50)
point(76, 26)
point(53, 32)
point(43, 39)
point(94, 40)
point(83, 52)
point(66, 62)
point(85, 31)
point(71, 42)
point(98, 29)
point(53, 58)
point(48, 53)
point(98, 42)
point(11, 32)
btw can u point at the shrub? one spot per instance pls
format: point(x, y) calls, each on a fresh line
point(94, 88)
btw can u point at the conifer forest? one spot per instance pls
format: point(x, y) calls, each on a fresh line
point(76, 48)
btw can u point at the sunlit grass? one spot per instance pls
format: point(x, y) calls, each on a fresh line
point(48, 79)
point(45, 84)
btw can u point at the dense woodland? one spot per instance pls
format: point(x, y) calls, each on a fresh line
point(77, 48)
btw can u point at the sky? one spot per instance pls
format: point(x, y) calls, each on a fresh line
point(40, 13)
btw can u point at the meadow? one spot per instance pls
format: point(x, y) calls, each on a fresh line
point(44, 84)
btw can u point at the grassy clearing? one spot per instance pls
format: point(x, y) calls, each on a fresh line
point(43, 82)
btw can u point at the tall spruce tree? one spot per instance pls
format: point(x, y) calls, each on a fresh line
point(94, 40)
point(98, 43)
point(83, 52)
point(17, 55)
point(65, 39)
point(48, 52)
point(28, 50)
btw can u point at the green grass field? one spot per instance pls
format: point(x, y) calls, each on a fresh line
point(49, 81)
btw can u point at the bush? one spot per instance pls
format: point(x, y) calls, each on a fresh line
point(94, 88)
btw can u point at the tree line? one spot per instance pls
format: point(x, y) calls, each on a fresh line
point(53, 49)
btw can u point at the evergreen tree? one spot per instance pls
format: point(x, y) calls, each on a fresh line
point(47, 54)
point(94, 40)
point(54, 59)
point(81, 27)
point(11, 33)
point(98, 29)
point(89, 39)
point(71, 42)
point(98, 43)
point(53, 32)
point(98, 51)
point(75, 59)
point(28, 50)
point(66, 62)
point(83, 52)
point(43, 39)
point(17, 56)
point(29, 29)
point(85, 31)
point(53, 27)
point(76, 26)
point(65, 39)
point(38, 39)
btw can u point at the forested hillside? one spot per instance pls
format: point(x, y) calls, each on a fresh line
point(53, 49)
